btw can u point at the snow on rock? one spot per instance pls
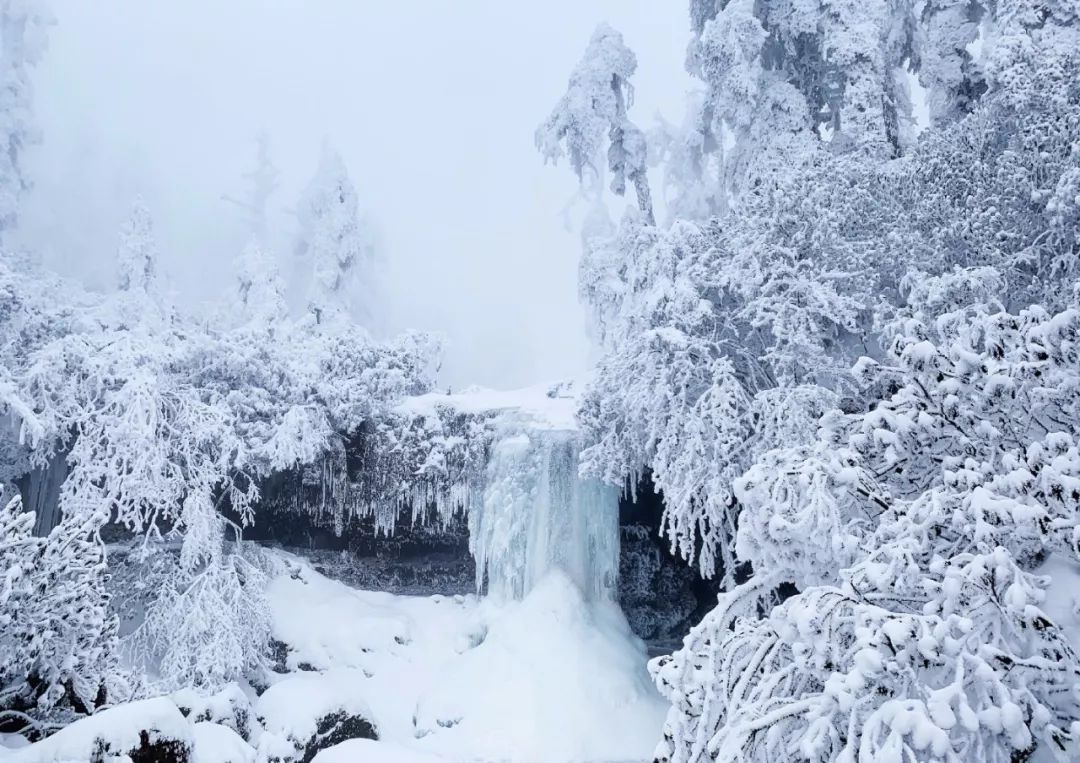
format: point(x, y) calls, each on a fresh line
point(220, 744)
point(327, 624)
point(370, 751)
point(229, 707)
point(155, 728)
point(12, 742)
point(306, 712)
point(554, 677)
point(550, 406)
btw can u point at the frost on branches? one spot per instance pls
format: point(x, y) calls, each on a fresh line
point(55, 622)
point(830, 210)
point(597, 99)
point(900, 510)
point(911, 531)
point(169, 428)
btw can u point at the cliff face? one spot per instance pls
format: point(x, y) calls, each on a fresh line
point(660, 595)
point(480, 491)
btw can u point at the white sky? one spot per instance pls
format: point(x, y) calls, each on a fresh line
point(432, 103)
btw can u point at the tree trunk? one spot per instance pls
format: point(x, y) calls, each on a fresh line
point(40, 491)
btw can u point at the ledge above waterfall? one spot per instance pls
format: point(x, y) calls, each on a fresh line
point(541, 406)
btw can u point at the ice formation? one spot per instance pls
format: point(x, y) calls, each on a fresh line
point(529, 511)
point(537, 515)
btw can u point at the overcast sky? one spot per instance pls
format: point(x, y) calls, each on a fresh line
point(433, 105)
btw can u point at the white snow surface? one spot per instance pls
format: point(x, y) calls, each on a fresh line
point(118, 726)
point(552, 677)
point(547, 406)
point(369, 751)
point(291, 709)
point(220, 744)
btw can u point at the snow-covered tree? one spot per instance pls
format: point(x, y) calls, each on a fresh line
point(595, 105)
point(137, 255)
point(260, 290)
point(56, 629)
point(784, 78)
point(23, 30)
point(335, 245)
point(172, 427)
point(262, 181)
point(911, 532)
point(954, 79)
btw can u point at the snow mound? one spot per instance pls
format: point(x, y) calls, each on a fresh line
point(370, 751)
point(298, 711)
point(229, 707)
point(556, 676)
point(119, 730)
point(220, 744)
point(553, 677)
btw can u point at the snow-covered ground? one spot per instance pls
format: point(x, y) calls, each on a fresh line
point(551, 678)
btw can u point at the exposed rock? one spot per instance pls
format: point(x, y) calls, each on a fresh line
point(149, 751)
point(656, 593)
point(334, 729)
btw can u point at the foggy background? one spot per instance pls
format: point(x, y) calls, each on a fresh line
point(432, 104)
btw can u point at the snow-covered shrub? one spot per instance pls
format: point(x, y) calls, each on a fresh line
point(56, 628)
point(910, 532)
point(207, 626)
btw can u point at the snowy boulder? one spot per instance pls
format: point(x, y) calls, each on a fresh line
point(229, 707)
point(220, 744)
point(309, 712)
point(148, 731)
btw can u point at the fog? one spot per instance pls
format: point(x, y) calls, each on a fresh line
point(432, 104)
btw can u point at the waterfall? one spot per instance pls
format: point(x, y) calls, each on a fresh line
point(537, 515)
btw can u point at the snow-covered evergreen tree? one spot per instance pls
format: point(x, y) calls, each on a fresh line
point(262, 180)
point(595, 105)
point(137, 255)
point(260, 290)
point(335, 245)
point(954, 79)
point(23, 37)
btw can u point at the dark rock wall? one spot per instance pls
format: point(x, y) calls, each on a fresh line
point(662, 596)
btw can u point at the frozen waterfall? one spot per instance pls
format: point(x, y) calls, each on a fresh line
point(529, 512)
point(537, 515)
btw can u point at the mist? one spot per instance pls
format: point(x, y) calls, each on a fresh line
point(433, 105)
